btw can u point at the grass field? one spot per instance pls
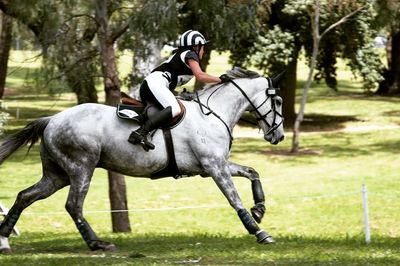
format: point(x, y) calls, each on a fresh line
point(314, 203)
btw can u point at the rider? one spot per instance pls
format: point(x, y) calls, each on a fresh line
point(158, 86)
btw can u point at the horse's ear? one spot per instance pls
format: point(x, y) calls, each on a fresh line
point(277, 78)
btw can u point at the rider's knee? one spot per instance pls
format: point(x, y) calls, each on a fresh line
point(175, 110)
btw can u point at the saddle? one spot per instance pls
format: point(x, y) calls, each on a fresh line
point(131, 109)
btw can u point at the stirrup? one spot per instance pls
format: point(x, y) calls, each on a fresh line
point(137, 138)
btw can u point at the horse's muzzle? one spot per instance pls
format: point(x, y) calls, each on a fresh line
point(274, 138)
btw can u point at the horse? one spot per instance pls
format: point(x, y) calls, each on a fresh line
point(77, 140)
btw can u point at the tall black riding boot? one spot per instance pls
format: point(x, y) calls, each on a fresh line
point(154, 121)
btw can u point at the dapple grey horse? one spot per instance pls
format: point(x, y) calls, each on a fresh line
point(76, 141)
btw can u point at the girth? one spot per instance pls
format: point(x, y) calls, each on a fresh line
point(171, 169)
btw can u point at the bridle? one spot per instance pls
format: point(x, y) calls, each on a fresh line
point(270, 92)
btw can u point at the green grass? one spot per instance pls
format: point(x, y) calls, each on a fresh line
point(314, 203)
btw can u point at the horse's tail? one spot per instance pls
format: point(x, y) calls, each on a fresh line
point(31, 133)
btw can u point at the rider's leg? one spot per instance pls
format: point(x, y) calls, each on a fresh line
point(161, 97)
point(154, 121)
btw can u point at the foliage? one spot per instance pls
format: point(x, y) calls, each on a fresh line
point(276, 48)
point(225, 23)
point(388, 14)
point(352, 40)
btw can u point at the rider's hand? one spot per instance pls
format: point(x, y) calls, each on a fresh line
point(224, 78)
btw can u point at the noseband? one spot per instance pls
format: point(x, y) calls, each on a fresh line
point(271, 93)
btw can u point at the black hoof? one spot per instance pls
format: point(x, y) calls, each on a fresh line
point(98, 244)
point(258, 212)
point(264, 238)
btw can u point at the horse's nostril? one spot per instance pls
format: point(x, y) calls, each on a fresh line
point(282, 138)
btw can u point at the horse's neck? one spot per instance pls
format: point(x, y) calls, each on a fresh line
point(227, 102)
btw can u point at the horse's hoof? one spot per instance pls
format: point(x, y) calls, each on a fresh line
point(98, 244)
point(5, 251)
point(264, 238)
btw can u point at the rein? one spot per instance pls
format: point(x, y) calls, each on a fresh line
point(201, 105)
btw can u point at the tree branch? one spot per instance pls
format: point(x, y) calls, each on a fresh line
point(115, 35)
point(34, 26)
point(342, 20)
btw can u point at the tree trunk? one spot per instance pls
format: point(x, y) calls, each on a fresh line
point(314, 15)
point(307, 85)
point(117, 189)
point(395, 62)
point(391, 75)
point(80, 81)
point(5, 45)
point(144, 62)
point(118, 202)
point(288, 87)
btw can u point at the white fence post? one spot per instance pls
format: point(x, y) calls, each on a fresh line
point(365, 207)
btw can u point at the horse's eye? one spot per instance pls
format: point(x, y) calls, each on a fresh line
point(278, 101)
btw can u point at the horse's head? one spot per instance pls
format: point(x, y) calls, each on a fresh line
point(264, 102)
point(268, 110)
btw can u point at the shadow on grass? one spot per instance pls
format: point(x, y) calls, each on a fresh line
point(201, 249)
point(311, 122)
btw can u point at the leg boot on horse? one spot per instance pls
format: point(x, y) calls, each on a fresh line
point(140, 136)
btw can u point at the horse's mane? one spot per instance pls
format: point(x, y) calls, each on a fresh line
point(238, 72)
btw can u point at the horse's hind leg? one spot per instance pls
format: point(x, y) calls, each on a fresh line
point(79, 187)
point(53, 179)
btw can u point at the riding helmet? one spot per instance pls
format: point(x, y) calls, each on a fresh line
point(191, 38)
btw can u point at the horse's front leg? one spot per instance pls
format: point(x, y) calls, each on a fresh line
point(220, 172)
point(258, 210)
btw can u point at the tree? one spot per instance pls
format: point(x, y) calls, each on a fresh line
point(388, 19)
point(107, 37)
point(314, 13)
point(49, 23)
point(68, 46)
point(5, 45)
point(229, 25)
point(286, 31)
point(147, 34)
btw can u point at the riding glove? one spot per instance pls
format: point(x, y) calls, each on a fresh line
point(225, 78)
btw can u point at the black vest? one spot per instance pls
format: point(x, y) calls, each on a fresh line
point(177, 67)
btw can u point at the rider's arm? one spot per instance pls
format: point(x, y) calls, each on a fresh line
point(200, 75)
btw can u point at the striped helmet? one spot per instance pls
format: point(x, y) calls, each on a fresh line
point(191, 38)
